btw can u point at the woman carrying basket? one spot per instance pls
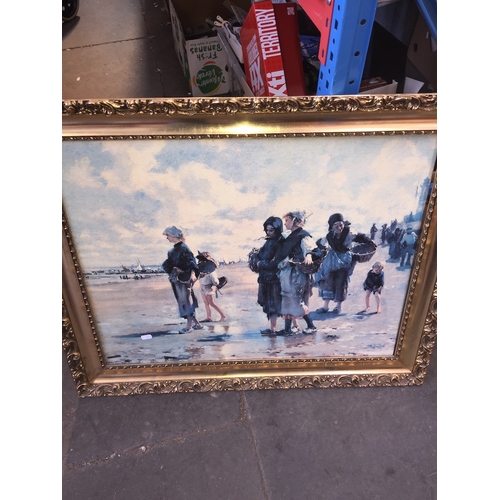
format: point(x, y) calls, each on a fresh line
point(269, 293)
point(338, 265)
point(183, 272)
point(296, 285)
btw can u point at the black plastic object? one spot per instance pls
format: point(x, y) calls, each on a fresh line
point(70, 9)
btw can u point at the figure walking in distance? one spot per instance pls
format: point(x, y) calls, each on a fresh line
point(407, 245)
point(383, 235)
point(183, 272)
point(394, 244)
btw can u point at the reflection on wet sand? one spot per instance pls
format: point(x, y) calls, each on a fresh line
point(137, 322)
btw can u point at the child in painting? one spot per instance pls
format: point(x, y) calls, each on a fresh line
point(208, 283)
point(374, 283)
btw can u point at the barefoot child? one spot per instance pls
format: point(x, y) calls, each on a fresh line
point(374, 283)
point(208, 282)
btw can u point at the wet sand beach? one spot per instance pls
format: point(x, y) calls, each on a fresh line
point(138, 322)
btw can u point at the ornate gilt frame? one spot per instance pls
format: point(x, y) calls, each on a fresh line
point(151, 119)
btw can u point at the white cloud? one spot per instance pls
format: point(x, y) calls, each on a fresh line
point(81, 174)
point(221, 191)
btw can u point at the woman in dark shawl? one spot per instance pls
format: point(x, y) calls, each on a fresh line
point(296, 285)
point(269, 294)
point(333, 275)
point(183, 272)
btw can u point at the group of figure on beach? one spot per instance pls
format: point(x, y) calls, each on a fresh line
point(287, 271)
point(401, 241)
point(288, 268)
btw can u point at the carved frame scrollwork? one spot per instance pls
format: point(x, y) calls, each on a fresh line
point(214, 106)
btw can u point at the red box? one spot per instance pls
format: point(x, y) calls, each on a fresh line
point(288, 32)
point(271, 50)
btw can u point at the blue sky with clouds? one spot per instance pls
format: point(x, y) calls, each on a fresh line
point(120, 195)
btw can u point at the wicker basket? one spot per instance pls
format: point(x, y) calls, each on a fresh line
point(363, 252)
point(207, 266)
point(253, 259)
point(308, 268)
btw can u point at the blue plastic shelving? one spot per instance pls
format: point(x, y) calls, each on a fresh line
point(345, 27)
point(350, 31)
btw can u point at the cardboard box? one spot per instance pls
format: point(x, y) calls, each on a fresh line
point(238, 82)
point(377, 85)
point(199, 49)
point(271, 50)
point(422, 53)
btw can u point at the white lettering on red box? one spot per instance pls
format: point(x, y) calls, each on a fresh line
point(254, 69)
point(266, 25)
point(277, 84)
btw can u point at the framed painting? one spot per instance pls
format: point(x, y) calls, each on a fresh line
point(249, 243)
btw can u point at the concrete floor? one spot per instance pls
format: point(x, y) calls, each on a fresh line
point(377, 443)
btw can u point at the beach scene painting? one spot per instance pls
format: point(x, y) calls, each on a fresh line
point(123, 199)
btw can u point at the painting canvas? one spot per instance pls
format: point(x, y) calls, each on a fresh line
point(120, 196)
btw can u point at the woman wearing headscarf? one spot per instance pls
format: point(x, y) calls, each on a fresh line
point(338, 265)
point(296, 286)
point(269, 294)
point(183, 271)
